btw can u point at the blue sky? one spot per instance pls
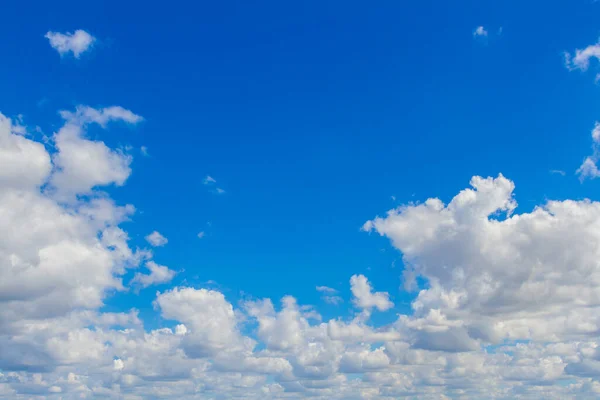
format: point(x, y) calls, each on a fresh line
point(312, 118)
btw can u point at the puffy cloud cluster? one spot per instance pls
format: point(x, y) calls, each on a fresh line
point(510, 309)
point(61, 254)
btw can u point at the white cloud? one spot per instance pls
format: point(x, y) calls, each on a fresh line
point(480, 31)
point(144, 151)
point(77, 43)
point(23, 162)
point(201, 234)
point(84, 164)
point(596, 133)
point(364, 298)
point(208, 317)
point(589, 168)
point(158, 274)
point(156, 239)
point(210, 181)
point(495, 279)
point(335, 300)
point(329, 295)
point(118, 364)
point(581, 58)
point(364, 360)
point(510, 308)
point(325, 289)
point(85, 115)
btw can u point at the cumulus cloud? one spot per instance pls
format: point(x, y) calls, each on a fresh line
point(23, 162)
point(82, 164)
point(497, 279)
point(158, 274)
point(509, 308)
point(76, 43)
point(58, 261)
point(209, 318)
point(363, 296)
point(156, 239)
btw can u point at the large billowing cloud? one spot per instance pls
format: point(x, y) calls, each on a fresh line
point(509, 310)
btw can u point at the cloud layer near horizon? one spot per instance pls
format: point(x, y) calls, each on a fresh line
point(511, 309)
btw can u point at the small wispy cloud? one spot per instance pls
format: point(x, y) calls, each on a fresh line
point(558, 172)
point(210, 181)
point(144, 151)
point(156, 239)
point(77, 43)
point(325, 289)
point(201, 234)
point(158, 274)
point(589, 167)
point(335, 300)
point(329, 295)
point(480, 31)
point(581, 58)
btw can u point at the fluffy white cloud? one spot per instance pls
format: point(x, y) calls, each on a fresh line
point(53, 257)
point(82, 164)
point(77, 43)
point(156, 239)
point(364, 360)
point(364, 298)
point(532, 276)
point(158, 274)
point(23, 162)
point(210, 321)
point(510, 309)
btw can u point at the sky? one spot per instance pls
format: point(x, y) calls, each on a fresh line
point(277, 200)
